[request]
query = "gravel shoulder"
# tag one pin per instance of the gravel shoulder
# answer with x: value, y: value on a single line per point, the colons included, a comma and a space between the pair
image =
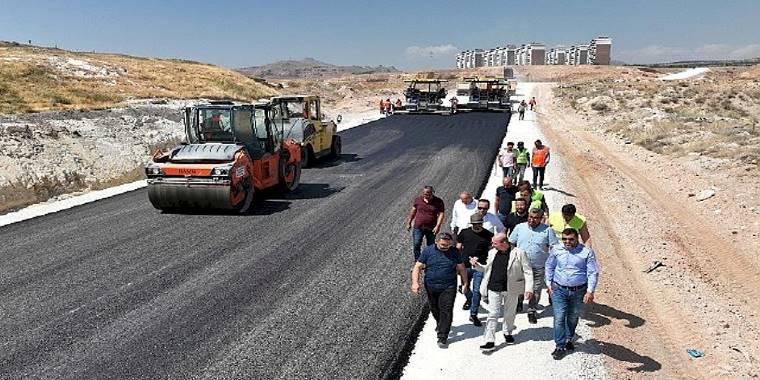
x: 640, y: 211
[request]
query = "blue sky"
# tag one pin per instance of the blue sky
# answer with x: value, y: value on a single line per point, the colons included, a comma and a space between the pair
x: 407, y: 34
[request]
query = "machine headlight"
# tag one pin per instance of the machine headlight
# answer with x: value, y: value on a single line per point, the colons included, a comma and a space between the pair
x: 220, y: 172
x: 153, y: 170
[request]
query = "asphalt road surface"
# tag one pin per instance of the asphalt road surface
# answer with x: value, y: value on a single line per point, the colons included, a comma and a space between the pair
x: 313, y: 284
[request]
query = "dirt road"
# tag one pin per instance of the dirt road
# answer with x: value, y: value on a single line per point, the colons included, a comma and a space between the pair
x: 705, y: 297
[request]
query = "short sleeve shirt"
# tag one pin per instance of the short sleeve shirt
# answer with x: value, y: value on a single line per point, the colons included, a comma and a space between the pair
x: 534, y: 241
x: 440, y: 267
x: 506, y: 197
x: 476, y: 244
x: 427, y: 212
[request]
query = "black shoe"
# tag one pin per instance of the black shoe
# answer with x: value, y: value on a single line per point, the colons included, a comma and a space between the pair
x: 569, y: 346
x: 466, y: 305
x: 532, y: 318
x: 519, y: 307
x: 509, y: 338
x: 475, y: 321
x: 488, y: 346
x: 459, y: 289
x: 558, y: 353
x: 443, y: 343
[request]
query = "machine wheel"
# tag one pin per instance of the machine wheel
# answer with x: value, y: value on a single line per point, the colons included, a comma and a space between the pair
x: 307, y: 156
x: 246, y: 203
x: 335, y: 147
x: 290, y: 174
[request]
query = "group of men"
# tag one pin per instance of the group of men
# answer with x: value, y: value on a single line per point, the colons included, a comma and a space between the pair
x: 513, y: 162
x: 387, y: 108
x: 503, y: 258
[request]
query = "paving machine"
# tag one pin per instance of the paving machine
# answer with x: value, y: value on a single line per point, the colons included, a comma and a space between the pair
x: 231, y: 151
x: 488, y: 94
x: 424, y: 96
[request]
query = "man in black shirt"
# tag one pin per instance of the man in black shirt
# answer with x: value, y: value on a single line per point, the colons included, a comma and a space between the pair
x: 474, y: 241
x: 517, y: 216
x: 507, y: 274
x: 504, y: 197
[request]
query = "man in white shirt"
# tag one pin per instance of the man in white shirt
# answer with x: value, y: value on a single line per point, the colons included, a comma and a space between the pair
x: 507, y: 160
x: 491, y: 222
x: 463, y: 208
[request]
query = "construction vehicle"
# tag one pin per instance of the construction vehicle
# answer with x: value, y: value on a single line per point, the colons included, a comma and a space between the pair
x: 487, y: 94
x: 231, y: 151
x: 424, y: 96
x: 302, y: 120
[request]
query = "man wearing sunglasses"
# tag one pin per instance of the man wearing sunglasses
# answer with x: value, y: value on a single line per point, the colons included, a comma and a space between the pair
x: 491, y: 222
x: 571, y: 276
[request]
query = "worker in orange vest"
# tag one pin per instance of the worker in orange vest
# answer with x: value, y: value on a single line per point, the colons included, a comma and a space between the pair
x: 539, y: 160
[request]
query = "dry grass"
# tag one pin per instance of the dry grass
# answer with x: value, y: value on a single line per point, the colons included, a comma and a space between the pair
x: 37, y: 79
x: 717, y: 116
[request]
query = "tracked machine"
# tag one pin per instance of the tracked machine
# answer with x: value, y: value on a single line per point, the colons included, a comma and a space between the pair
x: 487, y: 94
x: 424, y: 96
x: 231, y: 151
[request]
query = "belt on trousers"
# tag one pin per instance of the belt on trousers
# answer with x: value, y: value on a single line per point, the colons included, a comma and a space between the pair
x: 579, y: 287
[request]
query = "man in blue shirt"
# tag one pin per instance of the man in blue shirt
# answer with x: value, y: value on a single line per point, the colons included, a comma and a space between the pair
x: 571, y: 275
x: 442, y: 263
x: 535, y: 238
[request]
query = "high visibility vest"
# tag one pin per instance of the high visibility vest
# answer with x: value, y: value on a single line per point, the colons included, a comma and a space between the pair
x: 522, y: 156
x: 558, y: 223
x: 536, y: 199
x: 540, y: 156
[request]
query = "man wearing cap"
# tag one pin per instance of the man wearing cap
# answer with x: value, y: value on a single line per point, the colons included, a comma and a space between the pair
x: 474, y: 242
x: 442, y: 264
x: 571, y: 276
x: 570, y: 219
x: 507, y: 275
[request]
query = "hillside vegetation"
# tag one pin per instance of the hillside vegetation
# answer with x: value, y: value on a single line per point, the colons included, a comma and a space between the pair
x: 34, y: 79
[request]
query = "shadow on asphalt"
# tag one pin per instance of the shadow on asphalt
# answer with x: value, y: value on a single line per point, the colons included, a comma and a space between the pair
x: 620, y: 353
x: 599, y: 315
x: 311, y: 191
x: 536, y: 334
x: 342, y: 159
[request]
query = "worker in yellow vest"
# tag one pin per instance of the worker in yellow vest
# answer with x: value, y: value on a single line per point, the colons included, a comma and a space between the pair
x: 535, y: 198
x: 569, y: 218
x: 522, y: 158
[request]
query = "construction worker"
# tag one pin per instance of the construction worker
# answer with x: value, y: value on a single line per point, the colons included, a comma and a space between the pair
x: 570, y: 219
x: 535, y: 198
x: 522, y: 161
x: 532, y: 103
x: 454, y: 103
x: 382, y: 106
x: 521, y: 109
x: 541, y: 157
x: 398, y: 104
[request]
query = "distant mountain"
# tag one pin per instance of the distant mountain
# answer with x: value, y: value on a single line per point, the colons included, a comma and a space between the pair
x: 309, y: 68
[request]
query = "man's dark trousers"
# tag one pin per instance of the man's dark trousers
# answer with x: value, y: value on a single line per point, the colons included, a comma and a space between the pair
x: 442, y: 307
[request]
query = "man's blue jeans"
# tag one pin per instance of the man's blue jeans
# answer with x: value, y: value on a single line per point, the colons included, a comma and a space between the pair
x: 474, y: 278
x: 567, y: 309
x: 417, y: 235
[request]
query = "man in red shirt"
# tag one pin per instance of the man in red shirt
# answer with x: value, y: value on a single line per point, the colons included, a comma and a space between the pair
x: 425, y: 219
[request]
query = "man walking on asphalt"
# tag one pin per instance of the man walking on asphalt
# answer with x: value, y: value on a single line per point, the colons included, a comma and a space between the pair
x: 541, y: 158
x: 521, y: 109
x: 570, y: 219
x: 506, y: 159
x: 442, y: 264
x: 571, y: 275
x: 465, y: 206
x: 508, y: 274
x: 532, y: 103
x: 517, y: 216
x: 474, y: 243
x: 491, y: 222
x: 427, y: 217
x: 535, y: 238
x: 505, y: 195
x: 522, y: 158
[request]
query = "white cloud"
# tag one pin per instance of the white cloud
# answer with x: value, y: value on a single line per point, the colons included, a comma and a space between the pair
x: 659, y: 53
x: 431, y: 52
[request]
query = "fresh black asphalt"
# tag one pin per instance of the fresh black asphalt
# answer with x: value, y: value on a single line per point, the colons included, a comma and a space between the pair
x: 313, y: 284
